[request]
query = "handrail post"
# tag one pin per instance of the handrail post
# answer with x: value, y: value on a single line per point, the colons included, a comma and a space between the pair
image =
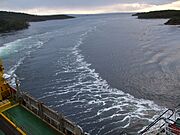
x: 17, y: 88
x: 61, y: 122
x: 157, y: 120
x: 40, y: 109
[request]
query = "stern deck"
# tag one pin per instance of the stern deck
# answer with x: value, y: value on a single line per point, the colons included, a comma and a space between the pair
x: 28, y: 122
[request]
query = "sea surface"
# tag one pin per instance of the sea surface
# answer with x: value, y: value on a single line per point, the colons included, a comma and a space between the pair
x: 109, y: 73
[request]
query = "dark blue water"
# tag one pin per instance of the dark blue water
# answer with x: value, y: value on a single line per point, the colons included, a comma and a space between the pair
x: 107, y: 73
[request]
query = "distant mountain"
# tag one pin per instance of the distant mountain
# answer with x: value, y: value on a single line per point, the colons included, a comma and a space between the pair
x: 173, y: 15
x: 15, y: 21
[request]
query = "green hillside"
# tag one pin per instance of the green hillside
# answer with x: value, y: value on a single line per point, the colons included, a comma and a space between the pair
x: 15, y: 21
x: 172, y: 15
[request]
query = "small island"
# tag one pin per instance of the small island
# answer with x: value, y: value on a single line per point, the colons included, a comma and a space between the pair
x: 172, y: 15
x: 11, y: 21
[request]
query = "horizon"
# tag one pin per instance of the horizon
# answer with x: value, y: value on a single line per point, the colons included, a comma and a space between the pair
x: 44, y: 7
x: 84, y: 13
x: 69, y: 14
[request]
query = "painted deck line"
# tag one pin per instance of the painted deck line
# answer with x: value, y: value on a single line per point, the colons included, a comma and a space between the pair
x: 10, y: 122
x: 29, y: 122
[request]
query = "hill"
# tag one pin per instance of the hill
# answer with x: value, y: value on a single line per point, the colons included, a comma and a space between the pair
x: 15, y: 21
x: 9, y: 25
x: 173, y: 15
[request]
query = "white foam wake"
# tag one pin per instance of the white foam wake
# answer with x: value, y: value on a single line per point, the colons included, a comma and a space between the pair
x: 18, y: 51
x: 97, y: 103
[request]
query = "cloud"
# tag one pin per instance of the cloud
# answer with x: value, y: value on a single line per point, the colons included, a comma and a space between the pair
x: 173, y: 5
x: 86, y: 6
x: 88, y: 10
x: 29, y: 4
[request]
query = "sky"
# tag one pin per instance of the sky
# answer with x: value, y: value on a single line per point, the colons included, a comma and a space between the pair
x: 42, y: 7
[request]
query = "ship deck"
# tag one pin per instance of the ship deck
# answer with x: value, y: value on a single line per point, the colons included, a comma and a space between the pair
x: 28, y: 122
x: 2, y: 133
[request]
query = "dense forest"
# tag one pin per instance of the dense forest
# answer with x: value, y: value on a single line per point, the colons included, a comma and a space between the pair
x: 15, y: 21
x: 172, y: 15
x: 9, y: 25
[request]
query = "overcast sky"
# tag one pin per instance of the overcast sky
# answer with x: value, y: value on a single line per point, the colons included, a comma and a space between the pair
x: 86, y: 6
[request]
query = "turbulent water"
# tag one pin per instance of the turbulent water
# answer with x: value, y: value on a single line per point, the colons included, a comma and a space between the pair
x: 85, y: 68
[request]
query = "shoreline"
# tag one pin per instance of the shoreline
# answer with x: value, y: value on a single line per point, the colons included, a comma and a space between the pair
x: 12, y: 21
x: 172, y: 15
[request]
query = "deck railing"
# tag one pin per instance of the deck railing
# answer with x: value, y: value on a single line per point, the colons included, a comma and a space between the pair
x: 53, y: 118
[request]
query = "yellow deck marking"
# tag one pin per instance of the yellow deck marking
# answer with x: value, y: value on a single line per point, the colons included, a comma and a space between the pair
x: 4, y: 105
x: 9, y: 107
x: 16, y: 127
